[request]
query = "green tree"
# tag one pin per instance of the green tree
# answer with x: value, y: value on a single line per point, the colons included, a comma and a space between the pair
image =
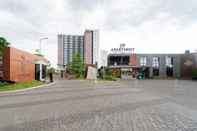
x: 77, y: 66
x: 3, y: 44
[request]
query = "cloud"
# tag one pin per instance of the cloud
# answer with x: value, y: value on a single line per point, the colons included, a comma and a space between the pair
x: 136, y: 12
x: 87, y: 5
x: 14, y: 6
x: 136, y: 22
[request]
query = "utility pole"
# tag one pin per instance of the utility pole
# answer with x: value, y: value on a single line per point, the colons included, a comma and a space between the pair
x: 44, y: 38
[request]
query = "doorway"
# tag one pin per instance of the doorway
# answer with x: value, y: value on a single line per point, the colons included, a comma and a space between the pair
x: 37, y: 72
x: 169, y: 71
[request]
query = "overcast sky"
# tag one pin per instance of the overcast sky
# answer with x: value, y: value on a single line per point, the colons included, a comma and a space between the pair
x: 149, y: 26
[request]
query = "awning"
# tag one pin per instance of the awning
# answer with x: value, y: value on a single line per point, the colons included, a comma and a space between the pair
x: 41, y: 62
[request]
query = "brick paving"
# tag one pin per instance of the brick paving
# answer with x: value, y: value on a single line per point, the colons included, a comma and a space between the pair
x: 153, y: 105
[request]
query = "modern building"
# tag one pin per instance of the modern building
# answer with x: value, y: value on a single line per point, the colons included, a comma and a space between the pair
x: 91, y: 47
x: 86, y: 45
x: 68, y: 45
x: 103, y: 58
x: 188, y: 63
x: 20, y: 66
x: 152, y: 65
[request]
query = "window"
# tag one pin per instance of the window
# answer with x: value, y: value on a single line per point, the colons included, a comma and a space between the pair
x: 143, y: 61
x: 169, y: 61
x: 155, y: 62
x: 169, y: 68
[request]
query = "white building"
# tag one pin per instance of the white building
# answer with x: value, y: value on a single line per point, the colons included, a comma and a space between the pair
x: 102, y: 58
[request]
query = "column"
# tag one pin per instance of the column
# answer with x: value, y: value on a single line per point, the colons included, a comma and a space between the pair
x: 40, y: 72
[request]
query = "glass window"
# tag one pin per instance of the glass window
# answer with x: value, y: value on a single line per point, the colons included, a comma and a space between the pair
x: 169, y: 61
x: 143, y: 61
x: 155, y: 62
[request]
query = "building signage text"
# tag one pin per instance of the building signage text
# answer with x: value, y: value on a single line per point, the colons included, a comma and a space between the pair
x: 122, y: 49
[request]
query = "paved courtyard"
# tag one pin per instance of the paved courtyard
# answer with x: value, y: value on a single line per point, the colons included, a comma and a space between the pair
x: 149, y: 105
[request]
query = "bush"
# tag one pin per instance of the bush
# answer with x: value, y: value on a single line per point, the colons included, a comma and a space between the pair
x: 194, y: 74
x: 109, y: 77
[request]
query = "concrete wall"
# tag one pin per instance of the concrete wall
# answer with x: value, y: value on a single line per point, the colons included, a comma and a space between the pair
x: 96, y: 47
x: 60, y: 56
x: 88, y: 47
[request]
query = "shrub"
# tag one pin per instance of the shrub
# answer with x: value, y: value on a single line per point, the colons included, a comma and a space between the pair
x: 194, y: 74
x: 109, y: 77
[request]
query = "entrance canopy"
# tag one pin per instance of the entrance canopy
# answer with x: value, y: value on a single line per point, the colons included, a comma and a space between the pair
x: 41, y: 62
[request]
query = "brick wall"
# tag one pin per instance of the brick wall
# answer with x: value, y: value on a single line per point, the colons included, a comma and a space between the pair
x: 133, y: 60
x: 18, y: 65
x: 1, y: 67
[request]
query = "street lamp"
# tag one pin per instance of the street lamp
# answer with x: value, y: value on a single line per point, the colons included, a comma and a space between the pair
x: 44, y: 38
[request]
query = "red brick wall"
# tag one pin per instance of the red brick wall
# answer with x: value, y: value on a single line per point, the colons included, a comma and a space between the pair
x: 6, y: 64
x: 1, y: 67
x: 133, y: 60
x: 18, y: 65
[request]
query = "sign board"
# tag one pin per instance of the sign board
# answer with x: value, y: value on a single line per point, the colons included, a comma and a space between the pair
x: 92, y: 73
x: 122, y: 49
x: 188, y: 63
x: 126, y: 69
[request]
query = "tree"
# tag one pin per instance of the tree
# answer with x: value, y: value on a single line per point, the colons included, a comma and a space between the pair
x: 77, y: 66
x: 3, y: 44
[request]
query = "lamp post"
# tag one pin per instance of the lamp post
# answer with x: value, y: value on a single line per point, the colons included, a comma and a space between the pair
x: 41, y: 70
x: 44, y: 38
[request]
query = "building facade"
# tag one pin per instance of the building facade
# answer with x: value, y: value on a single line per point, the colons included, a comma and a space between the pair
x: 21, y: 66
x: 188, y: 63
x: 103, y: 58
x: 153, y: 65
x: 91, y: 47
x: 68, y: 45
x: 86, y: 45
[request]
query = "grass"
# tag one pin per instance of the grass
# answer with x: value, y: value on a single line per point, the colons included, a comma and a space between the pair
x: 19, y: 86
x: 109, y: 78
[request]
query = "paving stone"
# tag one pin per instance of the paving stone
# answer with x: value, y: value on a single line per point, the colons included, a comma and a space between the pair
x: 104, y: 106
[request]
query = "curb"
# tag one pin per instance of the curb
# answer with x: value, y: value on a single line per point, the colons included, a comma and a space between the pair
x: 31, y: 88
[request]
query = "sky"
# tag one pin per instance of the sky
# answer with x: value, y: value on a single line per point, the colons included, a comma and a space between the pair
x: 149, y: 26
